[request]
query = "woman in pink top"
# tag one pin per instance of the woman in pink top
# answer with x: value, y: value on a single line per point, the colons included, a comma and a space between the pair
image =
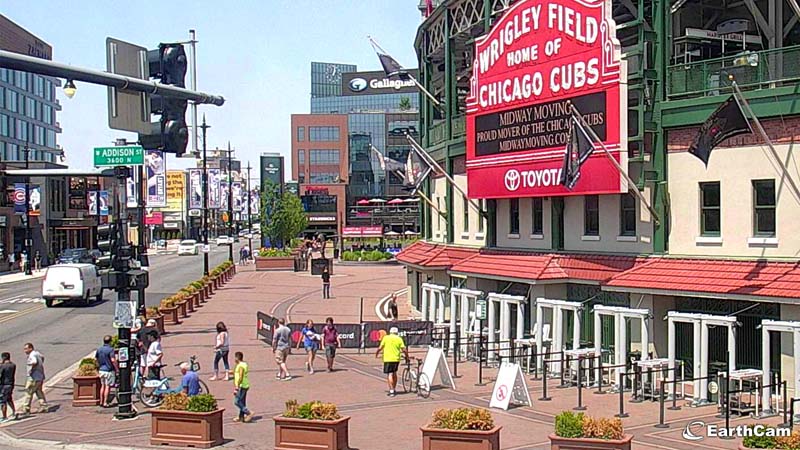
x: 221, y: 349
x: 330, y: 341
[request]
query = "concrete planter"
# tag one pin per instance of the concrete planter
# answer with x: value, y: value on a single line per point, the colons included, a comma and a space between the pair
x: 182, y: 311
x: 275, y: 263
x: 86, y: 391
x: 208, y: 290
x: 301, y: 434
x: 186, y: 429
x: 190, y: 304
x: 170, y: 315
x: 559, y: 443
x: 196, y: 300
x: 201, y: 295
x: 442, y: 439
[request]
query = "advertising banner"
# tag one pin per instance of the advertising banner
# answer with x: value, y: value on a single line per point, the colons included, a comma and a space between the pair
x: 131, y: 191
x: 195, y: 189
x: 255, y: 203
x: 413, y: 332
x: 541, y: 57
x: 176, y: 186
x: 213, y: 188
x: 35, y: 199
x: 155, y: 167
x: 223, y: 192
x: 368, y: 231
x: 238, y: 200
x: 272, y: 170
x: 154, y: 218
x: 102, y: 202
x: 92, y: 203
x: 265, y: 326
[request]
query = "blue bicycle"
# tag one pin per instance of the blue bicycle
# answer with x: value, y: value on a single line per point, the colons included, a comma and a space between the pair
x: 151, y: 392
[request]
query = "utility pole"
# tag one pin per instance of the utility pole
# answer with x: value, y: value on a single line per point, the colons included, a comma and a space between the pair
x: 205, y: 127
x: 249, y: 218
x: 28, y: 240
x: 230, y: 204
x: 120, y: 268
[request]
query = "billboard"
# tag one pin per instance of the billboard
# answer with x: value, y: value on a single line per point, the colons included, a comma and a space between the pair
x: 272, y: 169
x: 372, y: 83
x: 238, y: 196
x: 176, y: 186
x: 195, y: 189
x: 223, y: 192
x: 155, y: 166
x: 255, y: 202
x: 34, y: 199
x: 213, y: 188
x: 538, y: 59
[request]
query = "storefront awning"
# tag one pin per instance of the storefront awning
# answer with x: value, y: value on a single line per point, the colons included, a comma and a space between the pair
x: 712, y: 278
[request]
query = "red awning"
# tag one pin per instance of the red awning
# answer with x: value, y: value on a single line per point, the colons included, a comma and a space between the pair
x: 434, y: 256
x: 713, y: 277
x: 362, y: 202
x: 417, y: 253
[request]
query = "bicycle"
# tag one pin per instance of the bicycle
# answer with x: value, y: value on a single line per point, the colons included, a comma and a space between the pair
x: 414, y: 380
x: 151, y: 392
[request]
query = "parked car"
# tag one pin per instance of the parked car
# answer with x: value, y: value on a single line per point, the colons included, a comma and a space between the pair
x: 224, y: 240
x: 78, y: 255
x: 72, y: 282
x: 187, y: 247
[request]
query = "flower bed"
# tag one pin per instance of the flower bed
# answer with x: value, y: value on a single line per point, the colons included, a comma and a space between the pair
x: 187, y: 422
x: 274, y: 259
x: 577, y: 431
x: 461, y: 428
x: 311, y: 425
x: 86, y: 384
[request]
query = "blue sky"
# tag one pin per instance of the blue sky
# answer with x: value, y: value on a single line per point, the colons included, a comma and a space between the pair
x: 257, y: 54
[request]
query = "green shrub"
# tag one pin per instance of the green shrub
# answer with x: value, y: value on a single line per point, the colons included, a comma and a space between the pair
x: 274, y: 253
x: 569, y: 425
x: 350, y: 255
x: 462, y: 419
x: 758, y: 442
x: 114, y: 341
x: 202, y: 403
x: 87, y: 367
x: 314, y: 410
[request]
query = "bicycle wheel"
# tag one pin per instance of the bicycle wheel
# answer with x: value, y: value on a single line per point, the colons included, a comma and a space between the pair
x: 407, y: 381
x: 203, y: 387
x: 153, y: 396
x: 423, y: 386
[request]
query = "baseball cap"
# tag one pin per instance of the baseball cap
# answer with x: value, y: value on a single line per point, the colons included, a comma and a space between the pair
x: 394, y: 330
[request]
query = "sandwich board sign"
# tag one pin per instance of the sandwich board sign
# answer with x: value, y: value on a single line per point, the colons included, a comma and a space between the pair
x: 435, y: 361
x: 509, y: 387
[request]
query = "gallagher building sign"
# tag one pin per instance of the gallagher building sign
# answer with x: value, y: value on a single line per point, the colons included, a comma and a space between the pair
x: 538, y: 57
x: 376, y: 82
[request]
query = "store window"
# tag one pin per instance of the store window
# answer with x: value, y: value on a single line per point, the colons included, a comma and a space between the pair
x: 591, y: 215
x: 710, y: 209
x: 537, y: 219
x: 764, y: 208
x: 513, y: 216
x: 627, y: 215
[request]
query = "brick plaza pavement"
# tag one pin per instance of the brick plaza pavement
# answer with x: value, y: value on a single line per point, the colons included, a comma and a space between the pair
x: 377, y: 421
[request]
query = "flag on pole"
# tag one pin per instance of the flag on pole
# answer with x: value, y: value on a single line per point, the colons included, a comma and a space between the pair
x: 726, y: 121
x: 392, y: 68
x: 386, y: 163
x: 428, y: 8
x: 415, y: 172
x: 579, y: 149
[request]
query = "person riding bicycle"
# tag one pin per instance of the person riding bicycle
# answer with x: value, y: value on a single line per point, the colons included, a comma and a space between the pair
x: 190, y: 381
x: 392, y: 346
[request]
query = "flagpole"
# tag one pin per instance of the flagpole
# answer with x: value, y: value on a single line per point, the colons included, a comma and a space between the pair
x: 376, y: 46
x: 586, y: 128
x: 432, y: 162
x: 743, y: 102
x: 430, y: 203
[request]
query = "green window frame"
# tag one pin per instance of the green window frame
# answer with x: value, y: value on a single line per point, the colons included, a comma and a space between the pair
x: 710, y: 209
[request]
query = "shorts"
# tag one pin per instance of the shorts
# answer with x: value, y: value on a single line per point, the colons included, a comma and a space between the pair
x: 330, y: 351
x: 6, y: 391
x: 107, y: 378
x: 280, y: 355
x: 311, y: 348
x: 391, y: 367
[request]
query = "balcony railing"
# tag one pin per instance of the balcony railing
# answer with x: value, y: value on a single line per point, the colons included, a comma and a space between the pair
x: 439, y: 130
x: 459, y: 125
x: 755, y: 70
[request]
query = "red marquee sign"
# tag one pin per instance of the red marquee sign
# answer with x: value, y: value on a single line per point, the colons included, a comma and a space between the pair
x: 540, y: 56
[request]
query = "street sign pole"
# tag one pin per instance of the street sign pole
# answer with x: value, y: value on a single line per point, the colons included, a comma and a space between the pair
x: 124, y: 395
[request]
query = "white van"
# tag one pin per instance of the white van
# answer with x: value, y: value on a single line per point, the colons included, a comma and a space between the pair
x: 72, y: 282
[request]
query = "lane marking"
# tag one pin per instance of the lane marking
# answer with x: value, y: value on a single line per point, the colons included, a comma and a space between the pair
x: 7, y: 311
x: 22, y: 300
x: 22, y: 313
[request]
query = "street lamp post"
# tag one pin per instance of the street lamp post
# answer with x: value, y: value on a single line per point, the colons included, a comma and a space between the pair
x: 28, y: 243
x: 205, y: 127
x: 230, y: 204
x: 249, y: 218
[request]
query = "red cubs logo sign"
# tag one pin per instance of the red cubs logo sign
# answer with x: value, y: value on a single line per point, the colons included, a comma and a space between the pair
x: 541, y: 59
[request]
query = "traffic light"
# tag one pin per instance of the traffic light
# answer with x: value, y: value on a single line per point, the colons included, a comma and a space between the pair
x: 170, y: 134
x: 106, y: 237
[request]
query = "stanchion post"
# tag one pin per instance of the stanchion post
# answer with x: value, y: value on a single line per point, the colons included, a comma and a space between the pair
x: 456, y: 349
x: 661, y: 423
x: 635, y: 392
x: 563, y: 369
x: 674, y: 406
x: 544, y: 396
x: 791, y: 415
x: 600, y: 373
x: 580, y: 406
x: 785, y: 405
x: 622, y: 414
x: 480, y: 353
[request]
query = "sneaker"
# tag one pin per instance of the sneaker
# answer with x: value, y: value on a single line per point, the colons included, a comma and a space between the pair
x: 308, y: 367
x: 311, y: 370
x: 4, y: 420
x: 286, y: 378
x: 214, y: 378
x: 391, y: 394
x: 248, y: 417
x: 278, y: 376
x: 236, y: 419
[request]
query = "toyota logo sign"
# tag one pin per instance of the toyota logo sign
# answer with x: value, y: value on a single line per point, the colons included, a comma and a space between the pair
x: 512, y: 180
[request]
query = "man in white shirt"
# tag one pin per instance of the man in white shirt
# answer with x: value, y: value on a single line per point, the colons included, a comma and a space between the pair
x: 153, y: 359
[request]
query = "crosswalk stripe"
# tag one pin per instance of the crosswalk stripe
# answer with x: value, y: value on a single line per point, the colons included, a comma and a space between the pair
x: 12, y: 301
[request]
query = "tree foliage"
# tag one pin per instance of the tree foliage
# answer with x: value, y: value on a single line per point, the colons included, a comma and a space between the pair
x: 283, y: 216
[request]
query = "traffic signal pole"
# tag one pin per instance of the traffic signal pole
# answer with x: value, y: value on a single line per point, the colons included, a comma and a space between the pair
x: 205, y: 127
x: 140, y: 230
x: 120, y: 266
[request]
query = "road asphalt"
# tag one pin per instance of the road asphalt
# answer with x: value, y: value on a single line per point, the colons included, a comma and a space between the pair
x: 65, y: 333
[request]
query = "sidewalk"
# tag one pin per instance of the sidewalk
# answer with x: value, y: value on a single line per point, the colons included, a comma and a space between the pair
x: 377, y: 422
x: 13, y: 277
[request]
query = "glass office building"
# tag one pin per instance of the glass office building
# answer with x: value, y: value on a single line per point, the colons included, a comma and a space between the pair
x: 28, y: 109
x: 326, y: 78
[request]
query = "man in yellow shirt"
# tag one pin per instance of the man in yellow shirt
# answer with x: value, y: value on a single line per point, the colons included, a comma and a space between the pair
x: 241, y: 384
x: 393, y: 347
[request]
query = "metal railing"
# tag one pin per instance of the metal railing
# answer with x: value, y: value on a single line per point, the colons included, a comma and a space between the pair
x: 459, y: 126
x: 754, y: 70
x: 438, y: 132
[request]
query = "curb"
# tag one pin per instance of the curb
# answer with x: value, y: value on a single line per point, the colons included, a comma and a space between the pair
x: 35, y: 276
x: 7, y: 441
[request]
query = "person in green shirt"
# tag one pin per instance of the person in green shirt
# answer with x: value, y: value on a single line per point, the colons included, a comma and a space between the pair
x: 393, y: 347
x: 241, y: 384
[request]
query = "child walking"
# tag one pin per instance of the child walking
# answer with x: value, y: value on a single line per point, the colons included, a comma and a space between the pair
x: 241, y: 385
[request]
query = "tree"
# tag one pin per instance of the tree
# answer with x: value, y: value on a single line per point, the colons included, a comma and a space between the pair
x: 283, y: 215
x: 405, y: 104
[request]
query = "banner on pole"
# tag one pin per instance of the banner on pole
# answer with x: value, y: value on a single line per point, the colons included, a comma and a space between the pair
x: 156, y: 179
x: 102, y: 198
x: 195, y: 189
x: 92, y: 203
x: 132, y: 190
x: 237, y: 196
x: 213, y: 188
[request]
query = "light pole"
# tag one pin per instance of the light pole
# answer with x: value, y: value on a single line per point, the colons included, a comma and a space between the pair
x: 28, y: 243
x: 230, y: 205
x: 205, y: 127
x: 249, y: 219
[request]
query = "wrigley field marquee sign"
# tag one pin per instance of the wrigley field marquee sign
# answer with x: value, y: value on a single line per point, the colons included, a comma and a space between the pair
x: 537, y: 59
